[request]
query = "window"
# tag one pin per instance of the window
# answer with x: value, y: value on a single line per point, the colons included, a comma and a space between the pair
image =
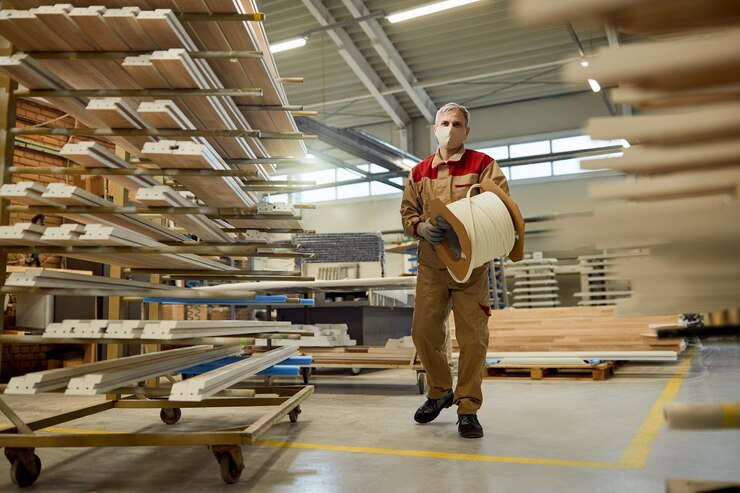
x: 535, y: 170
x: 377, y: 188
x: 529, y: 149
x: 280, y: 197
x: 321, y: 195
x: 353, y: 191
x: 567, y: 167
x: 500, y: 152
x: 320, y: 177
x: 579, y: 143
x: 346, y: 175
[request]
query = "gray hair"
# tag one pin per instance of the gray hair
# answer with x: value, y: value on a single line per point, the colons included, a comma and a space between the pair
x: 451, y: 107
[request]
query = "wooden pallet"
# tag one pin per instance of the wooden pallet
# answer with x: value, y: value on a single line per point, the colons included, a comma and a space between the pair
x: 600, y: 371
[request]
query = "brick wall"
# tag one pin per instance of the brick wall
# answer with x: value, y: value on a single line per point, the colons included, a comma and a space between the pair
x: 31, y: 113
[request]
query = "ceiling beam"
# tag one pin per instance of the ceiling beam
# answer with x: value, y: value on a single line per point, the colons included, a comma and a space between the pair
x: 446, y: 81
x: 379, y: 177
x: 392, y: 58
x: 360, y: 144
x: 359, y: 65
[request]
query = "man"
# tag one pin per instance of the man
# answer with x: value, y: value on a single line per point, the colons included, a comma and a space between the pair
x: 448, y: 175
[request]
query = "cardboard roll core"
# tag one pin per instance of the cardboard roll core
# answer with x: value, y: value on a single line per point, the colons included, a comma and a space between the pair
x: 459, y: 266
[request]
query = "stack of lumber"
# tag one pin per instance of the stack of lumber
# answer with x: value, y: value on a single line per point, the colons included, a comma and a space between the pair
x: 573, y: 329
x: 166, y: 64
x: 362, y: 357
x: 56, y: 194
x: 198, y: 224
x: 94, y: 235
x: 343, y: 247
x: 159, y: 330
x: 94, y: 155
x: 203, y: 386
x: 681, y: 200
x: 104, y: 376
x: 51, y: 279
x: 323, y: 335
x: 21, y: 234
x: 534, y: 283
x: 318, y: 285
x: 183, y: 329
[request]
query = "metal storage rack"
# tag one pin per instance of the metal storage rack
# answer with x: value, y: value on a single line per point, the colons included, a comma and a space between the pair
x: 21, y: 440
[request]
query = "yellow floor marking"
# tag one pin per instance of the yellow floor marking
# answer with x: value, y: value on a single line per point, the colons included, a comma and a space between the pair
x: 441, y: 455
x: 634, y: 457
x: 636, y: 454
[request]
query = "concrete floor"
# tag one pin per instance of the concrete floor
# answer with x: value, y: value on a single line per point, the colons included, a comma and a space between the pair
x: 356, y: 434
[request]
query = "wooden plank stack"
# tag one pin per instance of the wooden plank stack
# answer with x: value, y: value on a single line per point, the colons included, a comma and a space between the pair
x: 155, y: 28
x: 323, y: 335
x: 682, y: 198
x: 573, y: 329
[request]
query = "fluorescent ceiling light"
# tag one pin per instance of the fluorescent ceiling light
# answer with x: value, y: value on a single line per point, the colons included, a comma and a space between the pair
x: 288, y: 45
x: 584, y: 63
x: 625, y: 144
x: 595, y: 87
x: 310, y: 156
x: 430, y: 8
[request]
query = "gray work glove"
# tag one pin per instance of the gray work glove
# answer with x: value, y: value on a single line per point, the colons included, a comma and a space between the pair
x: 430, y: 232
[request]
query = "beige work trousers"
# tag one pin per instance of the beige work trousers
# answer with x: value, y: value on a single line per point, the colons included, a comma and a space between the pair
x: 436, y: 293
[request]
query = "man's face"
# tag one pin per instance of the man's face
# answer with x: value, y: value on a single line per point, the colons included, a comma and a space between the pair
x: 453, y: 118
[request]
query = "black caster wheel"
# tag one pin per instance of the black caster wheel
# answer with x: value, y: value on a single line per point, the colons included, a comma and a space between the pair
x: 230, y: 470
x: 171, y: 415
x: 306, y: 374
x: 21, y: 476
x: 421, y: 382
x: 293, y: 415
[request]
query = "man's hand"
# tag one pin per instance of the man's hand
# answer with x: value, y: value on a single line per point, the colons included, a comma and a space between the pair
x: 430, y: 232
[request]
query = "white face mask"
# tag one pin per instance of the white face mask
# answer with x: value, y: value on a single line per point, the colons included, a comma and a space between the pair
x: 450, y: 137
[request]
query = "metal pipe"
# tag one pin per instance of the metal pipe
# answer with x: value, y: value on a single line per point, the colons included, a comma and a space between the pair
x: 289, y: 80
x: 132, y: 292
x: 210, y: 17
x: 152, y: 132
x: 287, y: 245
x: 95, y: 55
x: 243, y: 161
x: 243, y: 213
x: 282, y: 274
x: 133, y: 93
x: 205, y: 277
x: 58, y: 170
x: 234, y: 250
x: 269, y: 230
x: 269, y: 107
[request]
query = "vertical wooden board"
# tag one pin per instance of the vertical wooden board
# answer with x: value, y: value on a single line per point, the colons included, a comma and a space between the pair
x: 38, y: 36
x: 90, y: 20
x: 173, y: 70
x: 165, y: 29
x: 144, y: 73
x: 123, y: 22
x: 57, y: 20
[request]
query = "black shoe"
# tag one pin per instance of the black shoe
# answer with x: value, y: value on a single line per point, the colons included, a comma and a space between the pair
x: 432, y: 407
x: 469, y: 426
